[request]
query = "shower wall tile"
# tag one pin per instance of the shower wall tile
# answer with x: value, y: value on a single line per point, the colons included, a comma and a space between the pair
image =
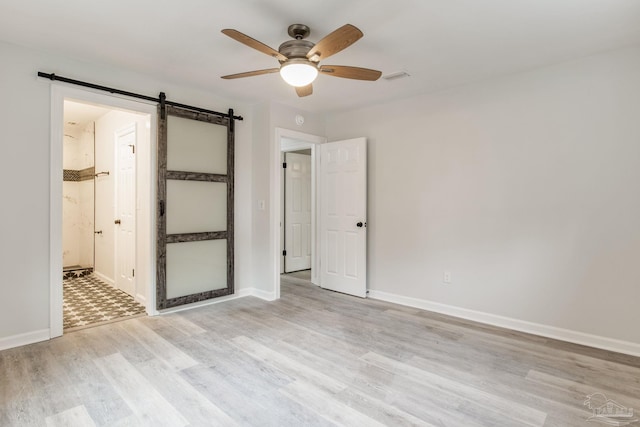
x: 78, y: 195
x: 86, y: 223
x: 70, y: 223
x: 70, y: 145
x: 86, y: 149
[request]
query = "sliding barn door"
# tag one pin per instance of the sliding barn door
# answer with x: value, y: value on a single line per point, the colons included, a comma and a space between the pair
x: 195, y: 207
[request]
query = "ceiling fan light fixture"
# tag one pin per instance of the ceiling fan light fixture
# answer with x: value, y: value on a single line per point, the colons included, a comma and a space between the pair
x: 299, y: 58
x: 299, y: 72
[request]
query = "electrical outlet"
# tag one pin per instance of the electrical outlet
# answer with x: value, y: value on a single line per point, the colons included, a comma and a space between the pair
x: 446, y: 278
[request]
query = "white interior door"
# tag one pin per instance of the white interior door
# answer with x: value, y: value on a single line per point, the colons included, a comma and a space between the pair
x: 125, y: 222
x: 343, y: 229
x: 297, y: 202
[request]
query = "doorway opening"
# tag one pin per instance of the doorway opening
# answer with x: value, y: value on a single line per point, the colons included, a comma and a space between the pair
x: 297, y: 225
x: 296, y: 221
x: 296, y: 231
x: 339, y: 205
x: 102, y: 161
x: 99, y: 221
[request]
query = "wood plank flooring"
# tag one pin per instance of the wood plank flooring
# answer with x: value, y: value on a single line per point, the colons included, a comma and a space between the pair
x: 313, y: 358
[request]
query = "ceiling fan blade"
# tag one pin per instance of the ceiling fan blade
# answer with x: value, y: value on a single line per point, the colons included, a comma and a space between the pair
x: 333, y: 43
x: 346, y: 72
x: 251, y: 73
x: 304, y: 90
x: 253, y: 43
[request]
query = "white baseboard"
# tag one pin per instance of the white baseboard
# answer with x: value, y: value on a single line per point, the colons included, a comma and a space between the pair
x: 105, y: 279
x: 24, y: 339
x: 265, y: 295
x: 568, y: 335
x: 240, y: 293
x: 141, y: 299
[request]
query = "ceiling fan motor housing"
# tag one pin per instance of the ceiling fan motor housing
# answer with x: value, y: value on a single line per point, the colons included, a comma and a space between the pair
x: 295, y: 48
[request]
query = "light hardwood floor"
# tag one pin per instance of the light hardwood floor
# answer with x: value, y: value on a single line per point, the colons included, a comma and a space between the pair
x: 315, y: 358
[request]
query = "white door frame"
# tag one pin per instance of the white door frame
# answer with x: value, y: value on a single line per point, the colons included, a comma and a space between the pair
x: 293, y: 141
x: 145, y: 241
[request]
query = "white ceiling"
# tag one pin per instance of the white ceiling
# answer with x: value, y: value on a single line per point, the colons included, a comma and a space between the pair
x: 79, y: 114
x: 441, y: 43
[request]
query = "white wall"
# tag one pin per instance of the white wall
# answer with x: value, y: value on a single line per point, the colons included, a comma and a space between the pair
x: 526, y: 188
x: 25, y: 121
x: 268, y: 117
x: 260, y: 191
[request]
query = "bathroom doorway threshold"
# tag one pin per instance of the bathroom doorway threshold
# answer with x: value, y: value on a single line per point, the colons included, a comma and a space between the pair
x: 90, y: 302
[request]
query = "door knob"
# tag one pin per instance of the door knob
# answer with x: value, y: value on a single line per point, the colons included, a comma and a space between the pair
x: 359, y: 225
x: 117, y: 222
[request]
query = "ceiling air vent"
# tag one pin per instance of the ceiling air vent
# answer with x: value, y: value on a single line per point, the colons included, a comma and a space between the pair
x: 395, y: 76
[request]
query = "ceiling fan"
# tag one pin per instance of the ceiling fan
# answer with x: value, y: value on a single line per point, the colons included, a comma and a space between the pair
x: 300, y: 59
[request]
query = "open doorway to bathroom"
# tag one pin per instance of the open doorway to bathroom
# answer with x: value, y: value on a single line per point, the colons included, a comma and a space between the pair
x: 99, y: 211
x: 297, y: 201
x: 297, y: 227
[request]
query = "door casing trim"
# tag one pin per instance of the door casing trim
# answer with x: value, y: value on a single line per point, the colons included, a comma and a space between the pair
x: 302, y: 141
x: 60, y: 92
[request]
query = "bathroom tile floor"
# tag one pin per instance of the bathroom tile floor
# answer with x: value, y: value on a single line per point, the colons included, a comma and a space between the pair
x: 89, y: 302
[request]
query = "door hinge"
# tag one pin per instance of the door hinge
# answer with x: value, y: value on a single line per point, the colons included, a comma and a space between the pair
x: 284, y: 166
x: 284, y: 253
x: 133, y: 273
